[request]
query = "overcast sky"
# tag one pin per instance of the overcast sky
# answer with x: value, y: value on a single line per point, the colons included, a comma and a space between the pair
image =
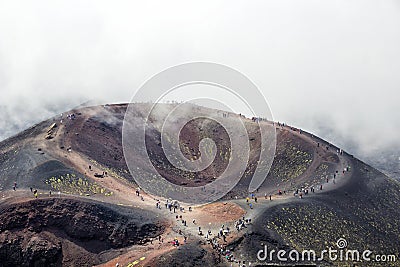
x: 330, y: 67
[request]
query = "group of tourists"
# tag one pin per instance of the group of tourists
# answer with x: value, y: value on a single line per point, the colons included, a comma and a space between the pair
x: 258, y: 119
x: 241, y: 223
x: 221, y: 248
x: 172, y: 206
x: 304, y: 191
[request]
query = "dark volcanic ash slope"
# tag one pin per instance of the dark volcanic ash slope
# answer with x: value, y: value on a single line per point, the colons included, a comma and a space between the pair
x: 364, y: 211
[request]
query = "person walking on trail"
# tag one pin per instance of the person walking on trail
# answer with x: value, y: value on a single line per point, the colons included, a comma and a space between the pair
x: 31, y: 189
x: 270, y: 197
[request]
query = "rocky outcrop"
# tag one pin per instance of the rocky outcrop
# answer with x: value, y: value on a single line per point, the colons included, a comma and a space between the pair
x: 32, y: 233
x: 29, y: 249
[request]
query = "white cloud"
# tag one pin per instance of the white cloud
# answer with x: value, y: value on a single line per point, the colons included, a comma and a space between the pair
x: 316, y: 61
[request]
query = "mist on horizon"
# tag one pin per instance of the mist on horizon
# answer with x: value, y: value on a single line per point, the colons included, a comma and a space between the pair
x: 327, y: 67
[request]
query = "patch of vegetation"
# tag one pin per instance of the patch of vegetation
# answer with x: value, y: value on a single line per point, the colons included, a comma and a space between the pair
x: 71, y: 184
x: 320, y: 174
x: 291, y: 161
x: 318, y: 228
